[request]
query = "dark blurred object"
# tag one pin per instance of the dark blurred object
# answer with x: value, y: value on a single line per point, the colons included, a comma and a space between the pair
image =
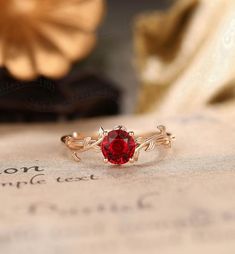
x: 76, y: 96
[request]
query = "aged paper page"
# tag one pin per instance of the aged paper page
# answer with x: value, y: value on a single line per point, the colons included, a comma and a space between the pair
x: 182, y: 203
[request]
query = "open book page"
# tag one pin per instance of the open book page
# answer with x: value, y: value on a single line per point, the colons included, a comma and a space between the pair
x: 178, y: 202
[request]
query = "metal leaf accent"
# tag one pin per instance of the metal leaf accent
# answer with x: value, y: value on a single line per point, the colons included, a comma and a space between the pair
x: 101, y: 132
x: 87, y: 142
x: 75, y: 156
x: 150, y: 146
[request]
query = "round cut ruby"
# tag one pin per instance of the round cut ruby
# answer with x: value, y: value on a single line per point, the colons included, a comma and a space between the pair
x: 118, y: 147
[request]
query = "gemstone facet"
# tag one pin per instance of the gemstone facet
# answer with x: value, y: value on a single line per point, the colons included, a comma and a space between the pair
x: 118, y: 147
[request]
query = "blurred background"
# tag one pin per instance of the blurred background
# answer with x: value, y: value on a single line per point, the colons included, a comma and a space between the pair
x: 67, y: 60
x: 103, y: 83
x: 118, y: 31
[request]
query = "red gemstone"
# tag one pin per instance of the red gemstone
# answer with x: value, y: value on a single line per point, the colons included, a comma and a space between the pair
x: 118, y: 147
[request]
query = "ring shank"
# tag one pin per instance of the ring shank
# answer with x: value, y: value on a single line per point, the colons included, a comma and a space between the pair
x: 147, y: 141
x: 95, y: 136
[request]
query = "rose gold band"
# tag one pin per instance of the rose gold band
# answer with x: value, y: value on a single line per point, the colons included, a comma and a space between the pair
x: 147, y: 142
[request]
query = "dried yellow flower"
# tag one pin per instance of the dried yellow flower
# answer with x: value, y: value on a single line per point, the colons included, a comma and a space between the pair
x: 43, y: 37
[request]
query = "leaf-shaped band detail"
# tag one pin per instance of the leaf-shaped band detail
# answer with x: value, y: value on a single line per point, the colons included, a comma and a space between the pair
x: 150, y: 143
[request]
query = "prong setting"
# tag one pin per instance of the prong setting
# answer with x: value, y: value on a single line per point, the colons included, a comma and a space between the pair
x: 120, y: 127
x: 131, y: 133
x: 106, y: 160
x: 132, y: 160
x: 106, y: 133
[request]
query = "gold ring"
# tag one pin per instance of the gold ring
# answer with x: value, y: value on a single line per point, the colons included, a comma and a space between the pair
x: 118, y: 146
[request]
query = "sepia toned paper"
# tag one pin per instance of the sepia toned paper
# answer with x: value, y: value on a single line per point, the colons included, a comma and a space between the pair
x: 179, y: 202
